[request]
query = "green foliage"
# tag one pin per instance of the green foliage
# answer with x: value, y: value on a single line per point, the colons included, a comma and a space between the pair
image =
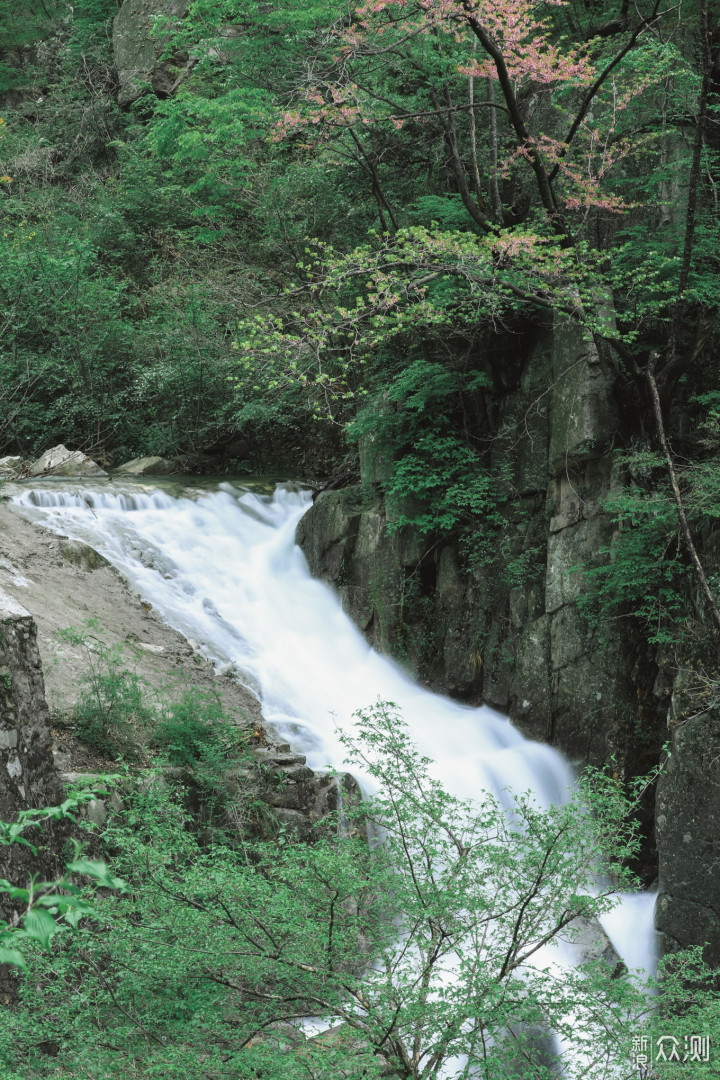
x: 50, y: 908
x: 446, y: 211
x: 118, y: 716
x: 435, y: 482
x: 154, y: 231
x: 192, y: 731
x: 439, y: 472
x: 645, y: 571
x: 188, y: 726
x: 199, y: 968
x: 690, y: 1007
x: 111, y: 711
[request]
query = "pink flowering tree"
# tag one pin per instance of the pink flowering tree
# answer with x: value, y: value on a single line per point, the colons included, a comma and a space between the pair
x: 546, y: 131
x: 540, y: 128
x: 555, y: 105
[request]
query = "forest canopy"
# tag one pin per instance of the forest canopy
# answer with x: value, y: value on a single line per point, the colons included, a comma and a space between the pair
x: 333, y: 193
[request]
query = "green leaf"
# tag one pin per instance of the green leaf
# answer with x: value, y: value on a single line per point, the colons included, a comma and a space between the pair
x: 99, y: 872
x: 12, y: 956
x: 40, y: 926
x: 13, y: 891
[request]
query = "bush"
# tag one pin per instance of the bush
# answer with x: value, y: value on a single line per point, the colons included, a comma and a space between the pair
x: 112, y: 704
x: 193, y: 732
x: 191, y: 726
x: 197, y: 969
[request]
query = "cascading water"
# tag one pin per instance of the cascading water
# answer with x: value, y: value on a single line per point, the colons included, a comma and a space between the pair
x: 223, y: 569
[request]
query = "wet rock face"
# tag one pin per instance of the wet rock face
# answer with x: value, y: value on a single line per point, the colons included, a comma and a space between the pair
x: 137, y: 50
x: 688, y: 838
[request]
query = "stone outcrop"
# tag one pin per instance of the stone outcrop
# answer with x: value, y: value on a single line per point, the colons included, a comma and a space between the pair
x: 138, y: 50
x: 27, y: 776
x: 687, y: 826
x: 10, y: 465
x: 63, y: 462
x: 80, y: 554
x: 149, y: 466
x: 507, y: 632
x: 274, y: 790
x: 511, y: 633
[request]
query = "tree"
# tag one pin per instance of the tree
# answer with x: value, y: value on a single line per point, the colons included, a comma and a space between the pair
x: 434, y: 949
x: 578, y: 123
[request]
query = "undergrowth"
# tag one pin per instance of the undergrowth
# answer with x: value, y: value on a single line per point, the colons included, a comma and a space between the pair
x: 121, y: 717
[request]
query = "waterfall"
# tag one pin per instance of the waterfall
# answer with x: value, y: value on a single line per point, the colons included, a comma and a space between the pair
x: 222, y: 567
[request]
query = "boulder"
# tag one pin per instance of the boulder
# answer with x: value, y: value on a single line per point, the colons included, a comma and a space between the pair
x: 10, y: 465
x: 149, y: 466
x: 137, y: 50
x: 82, y: 555
x: 63, y: 462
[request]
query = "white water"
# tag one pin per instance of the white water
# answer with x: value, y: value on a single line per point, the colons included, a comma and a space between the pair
x: 224, y: 570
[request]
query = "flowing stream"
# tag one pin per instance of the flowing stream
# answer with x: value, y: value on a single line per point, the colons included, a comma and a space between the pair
x: 222, y: 567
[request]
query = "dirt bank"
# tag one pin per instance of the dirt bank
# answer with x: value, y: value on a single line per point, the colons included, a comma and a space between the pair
x: 63, y: 583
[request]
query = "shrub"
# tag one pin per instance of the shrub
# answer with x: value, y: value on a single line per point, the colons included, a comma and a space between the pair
x: 112, y: 704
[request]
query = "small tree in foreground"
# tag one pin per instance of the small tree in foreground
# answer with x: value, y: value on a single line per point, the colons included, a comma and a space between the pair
x: 434, y: 950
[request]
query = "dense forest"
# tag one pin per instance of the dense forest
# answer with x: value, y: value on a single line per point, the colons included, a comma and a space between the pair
x: 455, y: 263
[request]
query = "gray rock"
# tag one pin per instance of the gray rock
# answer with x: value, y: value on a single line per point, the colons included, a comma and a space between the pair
x: 591, y: 943
x: 295, y: 773
x: 328, y: 532
x: 149, y: 466
x: 687, y: 828
x: 80, y: 554
x: 27, y: 775
x: 62, y: 757
x: 583, y: 415
x: 63, y: 462
x: 137, y: 50
x: 96, y: 812
x: 276, y: 760
x: 10, y: 465
x: 509, y: 632
x: 86, y: 780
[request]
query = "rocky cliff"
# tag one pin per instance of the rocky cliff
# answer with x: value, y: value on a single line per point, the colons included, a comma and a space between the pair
x: 518, y: 641
x: 514, y: 640
x: 139, y: 50
x: 29, y: 778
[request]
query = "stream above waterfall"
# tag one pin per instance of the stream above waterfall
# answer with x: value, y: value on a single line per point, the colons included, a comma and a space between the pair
x: 217, y: 560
